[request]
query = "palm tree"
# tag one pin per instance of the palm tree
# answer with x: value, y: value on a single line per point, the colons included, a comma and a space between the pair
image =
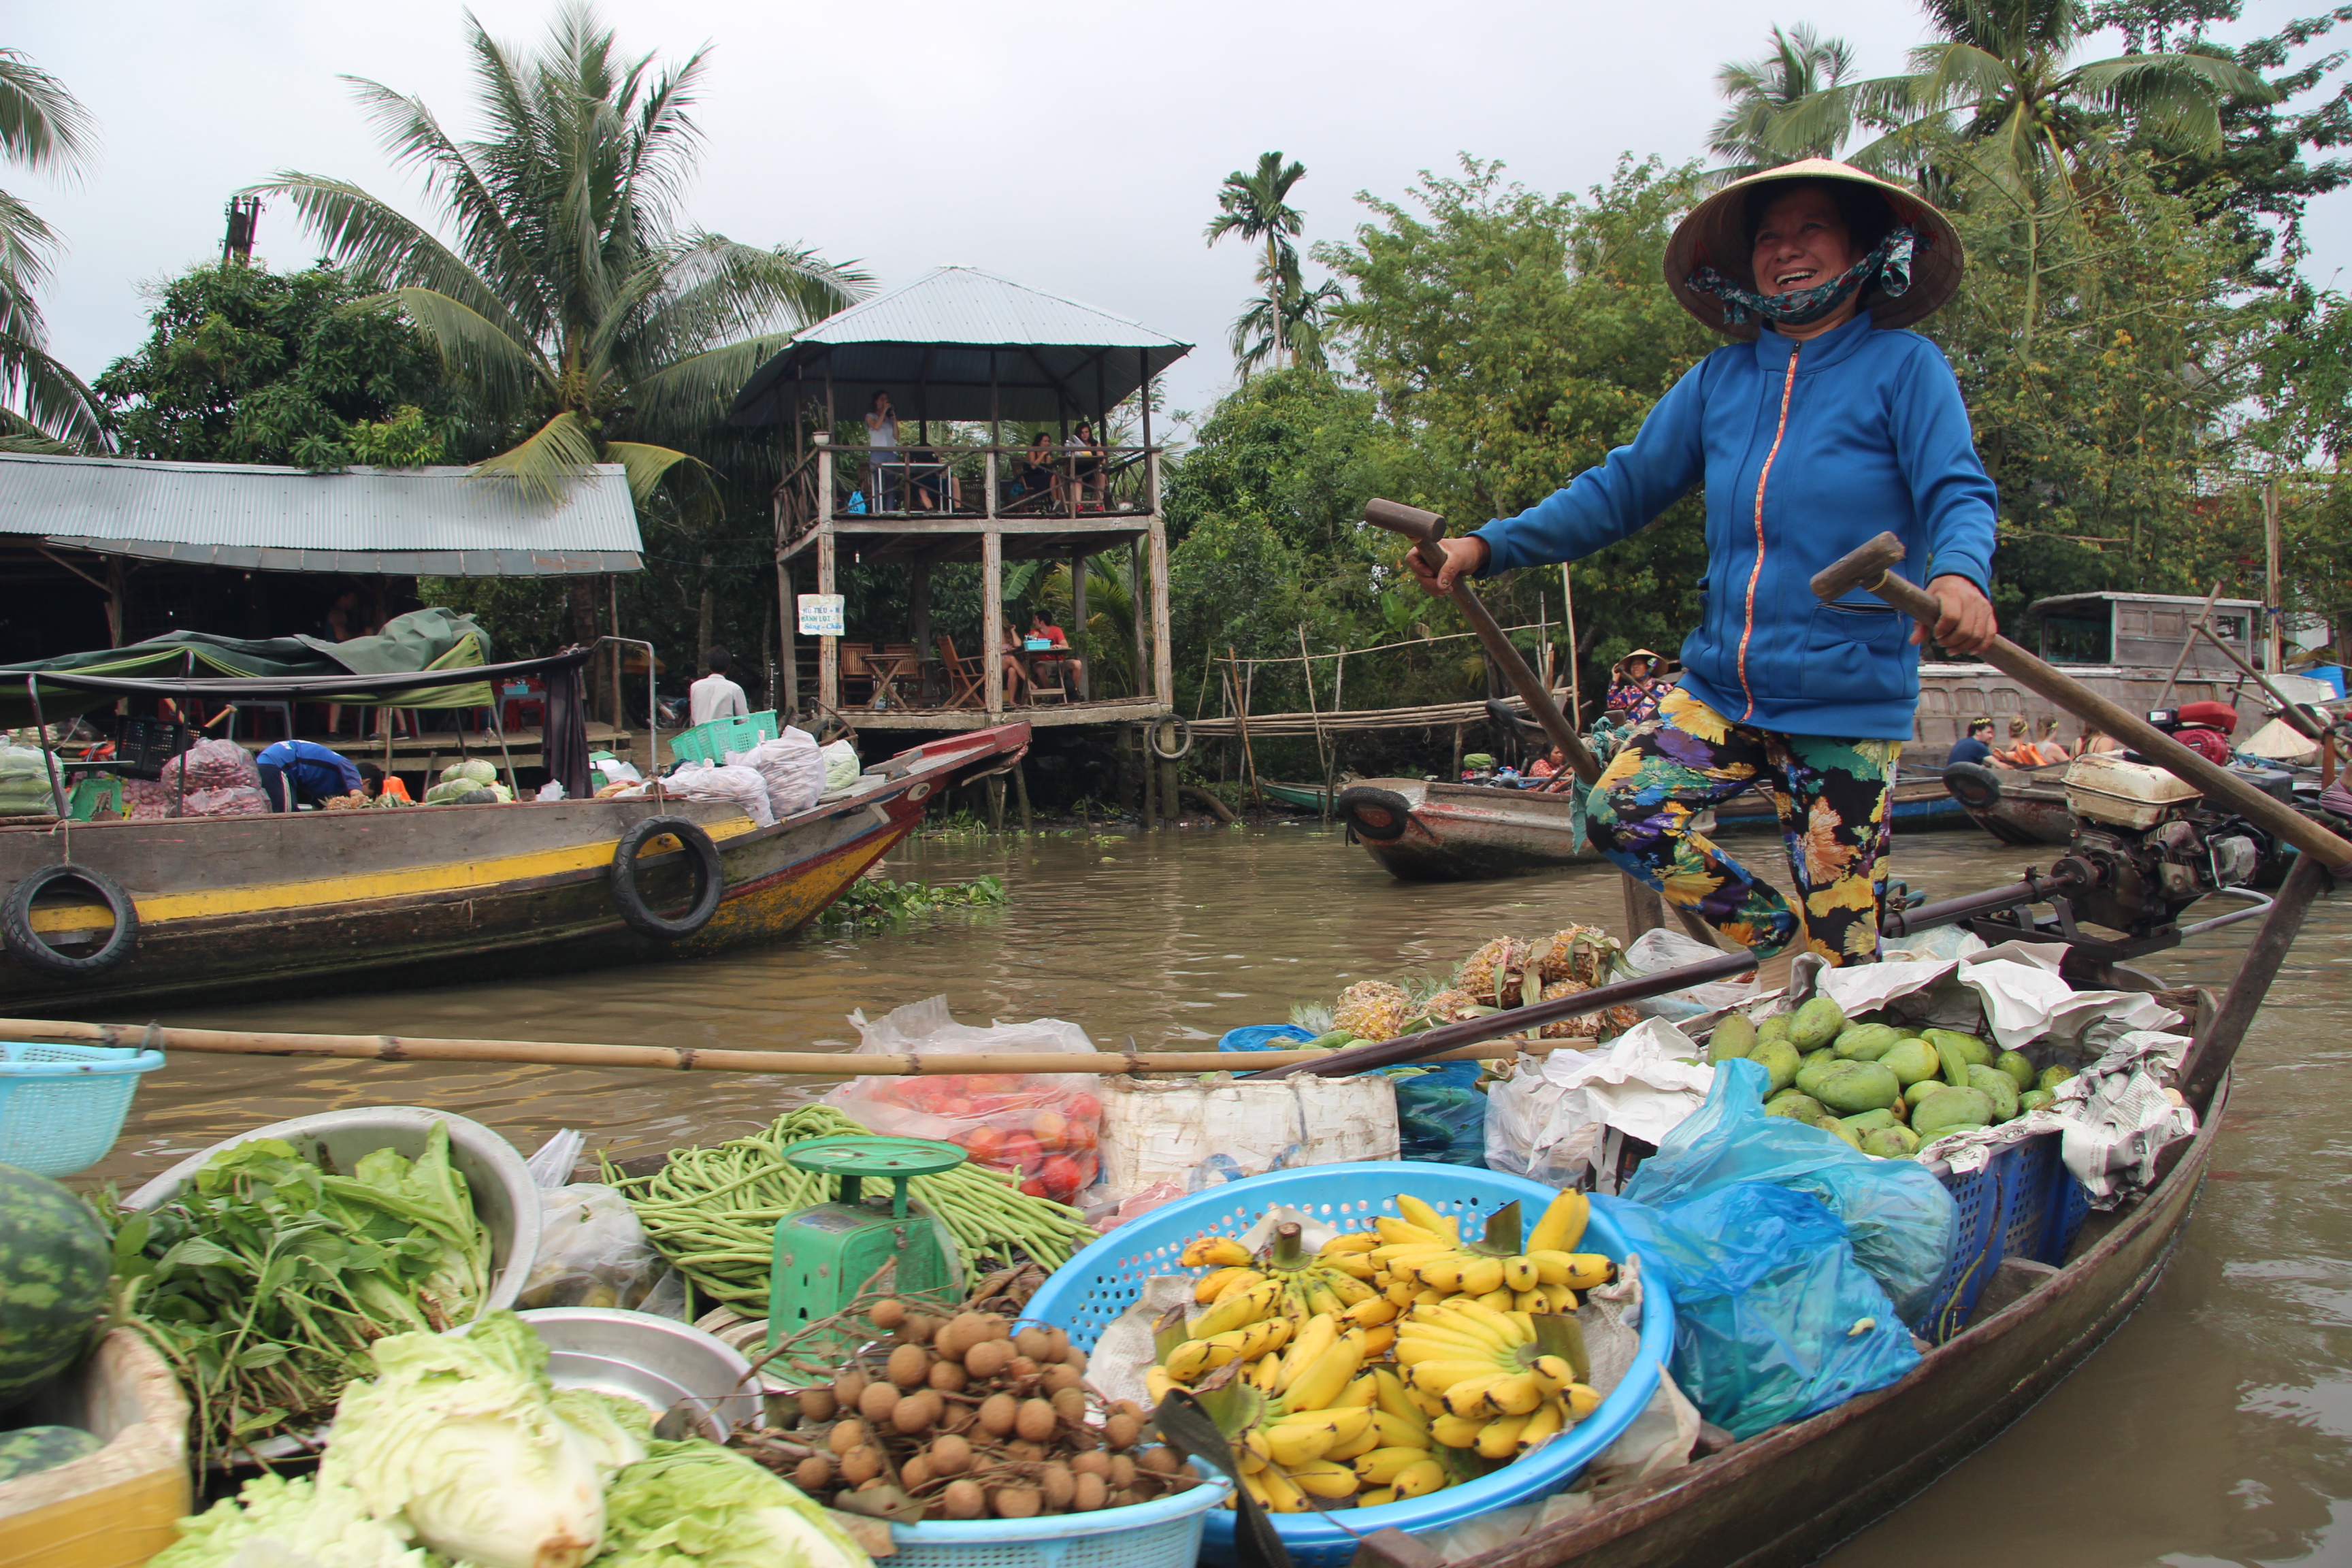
x: 579, y: 308
x: 44, y: 406
x: 2000, y: 76
x: 1302, y: 315
x: 1799, y: 63
x: 1257, y: 207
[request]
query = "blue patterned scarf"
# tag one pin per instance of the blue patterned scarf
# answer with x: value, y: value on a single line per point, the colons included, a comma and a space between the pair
x: 1890, y: 263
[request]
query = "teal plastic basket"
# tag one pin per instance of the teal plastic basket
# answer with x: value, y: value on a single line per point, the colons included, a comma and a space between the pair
x: 710, y: 743
x: 1163, y: 1533
x: 61, y: 1107
x: 1085, y: 1295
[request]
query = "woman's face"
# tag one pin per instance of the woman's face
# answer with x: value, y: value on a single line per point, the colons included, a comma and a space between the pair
x: 1802, y: 243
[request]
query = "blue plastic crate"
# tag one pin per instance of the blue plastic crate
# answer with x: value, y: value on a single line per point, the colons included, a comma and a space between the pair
x: 1085, y: 1294
x: 61, y: 1107
x: 2023, y: 1203
x: 710, y: 743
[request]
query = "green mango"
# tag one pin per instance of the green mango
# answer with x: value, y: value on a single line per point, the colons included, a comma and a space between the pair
x: 1954, y: 1061
x: 1850, y: 1086
x: 2014, y: 1064
x: 1773, y: 1029
x: 1795, y: 1103
x: 1779, y: 1058
x: 1810, y: 1072
x: 2035, y: 1100
x: 1912, y: 1060
x: 2052, y: 1077
x: 1973, y: 1051
x: 1866, y: 1042
x: 1815, y: 1024
x: 2000, y: 1086
x: 1949, y: 1110
x: 1734, y: 1035
x: 1870, y: 1122
x: 1891, y: 1142
x: 1837, y: 1129
x: 1920, y: 1092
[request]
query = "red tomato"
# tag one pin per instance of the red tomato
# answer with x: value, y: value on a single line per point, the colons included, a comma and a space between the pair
x: 1019, y: 1149
x: 1050, y: 1129
x: 1085, y: 1108
x: 1035, y: 1187
x: 1061, y: 1177
x: 984, y: 1143
x: 1082, y: 1137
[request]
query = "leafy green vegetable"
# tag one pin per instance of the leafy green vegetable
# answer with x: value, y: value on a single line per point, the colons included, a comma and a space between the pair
x: 697, y: 1505
x: 311, y: 1521
x: 266, y: 1281
x: 463, y: 1437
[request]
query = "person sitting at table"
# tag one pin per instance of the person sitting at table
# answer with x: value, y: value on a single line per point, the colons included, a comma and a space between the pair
x: 1008, y: 643
x: 296, y: 772
x: 1039, y: 628
x: 1086, y: 464
x: 1035, y: 476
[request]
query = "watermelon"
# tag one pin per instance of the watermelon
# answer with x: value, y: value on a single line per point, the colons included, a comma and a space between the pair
x: 55, y: 1260
x: 31, y: 1448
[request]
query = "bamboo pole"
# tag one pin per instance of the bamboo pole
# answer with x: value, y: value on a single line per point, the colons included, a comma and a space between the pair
x: 675, y: 1058
x: 1306, y: 667
x: 2187, y: 644
x: 1240, y: 693
x: 1575, y: 658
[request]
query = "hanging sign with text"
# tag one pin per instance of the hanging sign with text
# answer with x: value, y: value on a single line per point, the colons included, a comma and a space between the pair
x: 821, y: 616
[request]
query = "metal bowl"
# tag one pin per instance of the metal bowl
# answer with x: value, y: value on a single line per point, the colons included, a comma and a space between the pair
x: 504, y: 1194
x: 659, y: 1362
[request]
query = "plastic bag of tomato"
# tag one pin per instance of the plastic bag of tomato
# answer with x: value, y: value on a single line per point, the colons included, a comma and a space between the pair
x: 1044, y: 1129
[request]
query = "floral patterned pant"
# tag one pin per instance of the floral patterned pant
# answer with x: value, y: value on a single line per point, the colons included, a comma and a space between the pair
x: 1832, y: 796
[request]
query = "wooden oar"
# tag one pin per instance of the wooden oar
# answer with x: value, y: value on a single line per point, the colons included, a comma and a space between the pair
x: 1644, y: 908
x: 1867, y: 568
x: 663, y: 1058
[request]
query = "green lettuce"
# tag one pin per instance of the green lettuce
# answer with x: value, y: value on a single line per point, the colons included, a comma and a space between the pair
x: 273, y: 1520
x: 464, y: 1438
x: 697, y: 1505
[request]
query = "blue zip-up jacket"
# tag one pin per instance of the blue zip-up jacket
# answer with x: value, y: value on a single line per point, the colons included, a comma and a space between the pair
x: 316, y: 772
x: 1872, y: 436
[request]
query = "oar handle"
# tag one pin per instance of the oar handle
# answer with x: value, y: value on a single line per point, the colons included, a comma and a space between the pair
x: 1867, y: 568
x: 1425, y: 529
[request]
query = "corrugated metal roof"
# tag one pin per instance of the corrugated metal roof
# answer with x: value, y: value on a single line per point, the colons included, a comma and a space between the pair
x: 961, y: 344
x: 408, y: 522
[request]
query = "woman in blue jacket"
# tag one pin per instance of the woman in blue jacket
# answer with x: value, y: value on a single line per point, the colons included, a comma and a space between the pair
x: 1821, y: 427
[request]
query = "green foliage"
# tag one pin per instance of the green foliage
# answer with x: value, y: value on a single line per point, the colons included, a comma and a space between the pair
x: 874, y: 900
x: 526, y: 614
x: 44, y: 406
x: 246, y: 365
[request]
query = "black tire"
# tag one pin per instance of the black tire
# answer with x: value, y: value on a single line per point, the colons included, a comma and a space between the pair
x: 1151, y: 738
x: 711, y: 879
x: 1973, y: 784
x: 1378, y: 815
x: 26, y: 945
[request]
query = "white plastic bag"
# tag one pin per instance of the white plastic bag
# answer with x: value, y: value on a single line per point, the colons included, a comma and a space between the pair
x: 592, y: 1251
x: 1203, y: 1134
x: 1547, y: 1120
x: 841, y: 766
x: 794, y: 767
x: 733, y: 784
x: 1662, y: 949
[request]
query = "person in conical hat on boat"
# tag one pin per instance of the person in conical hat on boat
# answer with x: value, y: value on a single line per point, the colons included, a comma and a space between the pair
x: 1821, y: 426
x: 1635, y: 687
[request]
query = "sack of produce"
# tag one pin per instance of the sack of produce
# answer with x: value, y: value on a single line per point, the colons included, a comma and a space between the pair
x: 1903, y: 1221
x: 593, y: 1250
x: 1441, y: 1115
x: 1198, y: 1133
x: 793, y: 766
x: 1552, y: 1118
x: 841, y: 766
x: 24, y: 779
x: 733, y: 784
x: 215, y: 764
x: 241, y: 800
x: 1045, y: 1127
x: 1774, y: 1318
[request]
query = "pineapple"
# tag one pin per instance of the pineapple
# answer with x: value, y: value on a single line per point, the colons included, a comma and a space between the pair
x: 1449, y: 1007
x: 1493, y: 973
x: 1581, y: 953
x: 1371, y: 1010
x: 1585, y: 1028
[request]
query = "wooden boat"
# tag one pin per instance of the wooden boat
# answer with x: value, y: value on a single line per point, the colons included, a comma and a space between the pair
x: 1919, y: 803
x: 2016, y: 806
x: 346, y: 899
x: 1424, y: 831
x: 1306, y: 797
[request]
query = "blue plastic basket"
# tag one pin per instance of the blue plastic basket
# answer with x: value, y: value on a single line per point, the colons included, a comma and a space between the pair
x: 61, y: 1107
x: 2023, y: 1203
x: 710, y: 743
x: 1085, y: 1294
x: 1164, y: 1533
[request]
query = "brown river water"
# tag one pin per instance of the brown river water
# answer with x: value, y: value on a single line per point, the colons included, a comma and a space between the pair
x: 2214, y: 1427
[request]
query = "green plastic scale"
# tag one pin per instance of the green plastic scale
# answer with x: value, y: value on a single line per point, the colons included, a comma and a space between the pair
x: 825, y: 1256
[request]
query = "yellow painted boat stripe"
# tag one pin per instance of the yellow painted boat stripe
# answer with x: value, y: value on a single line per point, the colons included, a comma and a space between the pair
x: 449, y: 877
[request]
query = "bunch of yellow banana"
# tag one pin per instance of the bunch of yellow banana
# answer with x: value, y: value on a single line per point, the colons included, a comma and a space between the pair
x: 1506, y: 1380
x: 1425, y: 1260
x: 1299, y: 1421
x: 1332, y: 1280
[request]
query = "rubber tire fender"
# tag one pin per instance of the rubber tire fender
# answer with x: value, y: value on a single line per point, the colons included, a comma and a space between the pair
x: 26, y: 945
x: 1151, y: 738
x: 710, y: 878
x: 1357, y: 796
x: 1973, y: 784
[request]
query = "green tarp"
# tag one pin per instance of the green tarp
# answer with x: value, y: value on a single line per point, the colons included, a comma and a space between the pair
x: 419, y: 640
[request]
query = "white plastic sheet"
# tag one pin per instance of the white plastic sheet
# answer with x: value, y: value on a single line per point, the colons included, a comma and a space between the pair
x: 1201, y: 1134
x: 1547, y: 1120
x: 794, y: 767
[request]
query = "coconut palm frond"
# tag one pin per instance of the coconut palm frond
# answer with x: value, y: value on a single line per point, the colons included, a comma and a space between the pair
x: 648, y: 466
x: 505, y: 371
x: 545, y: 465
x: 46, y: 397
x: 42, y: 126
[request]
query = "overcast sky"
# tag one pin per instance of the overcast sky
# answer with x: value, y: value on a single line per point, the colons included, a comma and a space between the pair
x: 1074, y: 148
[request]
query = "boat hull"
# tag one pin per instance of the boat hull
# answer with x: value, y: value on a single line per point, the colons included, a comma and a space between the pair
x: 2015, y: 805
x: 1787, y: 1496
x: 347, y: 901
x: 1425, y: 831
x: 1919, y: 803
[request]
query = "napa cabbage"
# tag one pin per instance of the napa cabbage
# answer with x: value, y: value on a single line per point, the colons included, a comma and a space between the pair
x: 273, y: 1520
x: 697, y: 1505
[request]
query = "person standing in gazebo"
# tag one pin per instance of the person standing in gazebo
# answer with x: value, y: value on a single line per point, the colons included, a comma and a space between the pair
x: 882, y: 449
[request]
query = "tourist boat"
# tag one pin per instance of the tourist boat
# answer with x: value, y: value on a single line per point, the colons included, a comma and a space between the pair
x: 312, y: 900
x: 2016, y: 806
x: 1919, y: 803
x: 1429, y: 831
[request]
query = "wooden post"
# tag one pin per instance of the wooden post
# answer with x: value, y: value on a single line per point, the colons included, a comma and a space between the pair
x: 1455, y: 776
x: 789, y: 613
x: 118, y: 579
x: 1163, y: 669
x: 991, y: 619
x: 828, y: 649
x: 996, y: 804
x: 1322, y: 755
x: 2273, y: 605
x: 1021, y: 794
x: 1135, y: 548
x: 1242, y: 692
x: 1575, y: 658
x: 1146, y: 786
x: 919, y: 605
x: 2204, y: 618
x: 1169, y: 805
x: 612, y: 615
